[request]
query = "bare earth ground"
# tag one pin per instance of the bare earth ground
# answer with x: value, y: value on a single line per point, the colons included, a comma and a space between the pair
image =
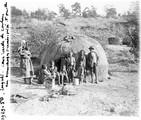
x: 115, y: 96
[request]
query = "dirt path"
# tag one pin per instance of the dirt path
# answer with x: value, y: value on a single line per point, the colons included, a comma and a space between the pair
x: 116, y: 96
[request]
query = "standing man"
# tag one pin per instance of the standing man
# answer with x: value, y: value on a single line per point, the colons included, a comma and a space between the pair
x: 81, y: 65
x: 92, y: 62
x: 71, y: 67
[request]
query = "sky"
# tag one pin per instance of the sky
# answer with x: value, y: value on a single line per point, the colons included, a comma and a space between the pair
x: 31, y: 5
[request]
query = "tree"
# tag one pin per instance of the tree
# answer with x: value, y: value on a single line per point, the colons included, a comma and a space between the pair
x: 110, y: 11
x: 93, y: 12
x: 40, y: 14
x: 76, y: 9
x: 37, y: 14
x: 15, y: 11
x: 87, y: 13
x: 51, y: 15
x: 133, y: 19
x: 133, y: 14
x: 63, y: 11
x: 25, y: 13
x: 43, y: 14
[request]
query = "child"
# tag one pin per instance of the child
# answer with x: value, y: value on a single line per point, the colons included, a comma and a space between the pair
x: 46, y: 77
x: 63, y: 73
x: 54, y: 73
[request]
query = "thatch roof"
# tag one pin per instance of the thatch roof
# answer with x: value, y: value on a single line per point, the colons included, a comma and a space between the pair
x: 79, y: 42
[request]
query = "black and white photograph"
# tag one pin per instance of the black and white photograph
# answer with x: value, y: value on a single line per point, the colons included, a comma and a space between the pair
x: 74, y: 58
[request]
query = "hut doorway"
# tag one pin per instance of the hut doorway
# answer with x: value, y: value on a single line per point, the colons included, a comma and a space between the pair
x: 58, y: 61
x: 58, y: 64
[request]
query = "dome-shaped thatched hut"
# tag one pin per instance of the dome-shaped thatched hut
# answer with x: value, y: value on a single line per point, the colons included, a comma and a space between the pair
x: 75, y: 44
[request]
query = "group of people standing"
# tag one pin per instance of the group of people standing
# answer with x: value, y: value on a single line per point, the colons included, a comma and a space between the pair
x: 69, y: 67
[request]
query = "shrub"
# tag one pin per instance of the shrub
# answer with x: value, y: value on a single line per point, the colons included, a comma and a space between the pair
x: 41, y: 34
x: 113, y: 41
x: 126, y: 41
x: 16, y: 20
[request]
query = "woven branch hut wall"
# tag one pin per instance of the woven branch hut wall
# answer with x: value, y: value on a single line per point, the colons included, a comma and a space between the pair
x: 75, y: 44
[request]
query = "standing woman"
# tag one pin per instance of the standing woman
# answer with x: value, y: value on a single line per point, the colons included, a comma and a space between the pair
x: 26, y: 66
x: 81, y: 66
